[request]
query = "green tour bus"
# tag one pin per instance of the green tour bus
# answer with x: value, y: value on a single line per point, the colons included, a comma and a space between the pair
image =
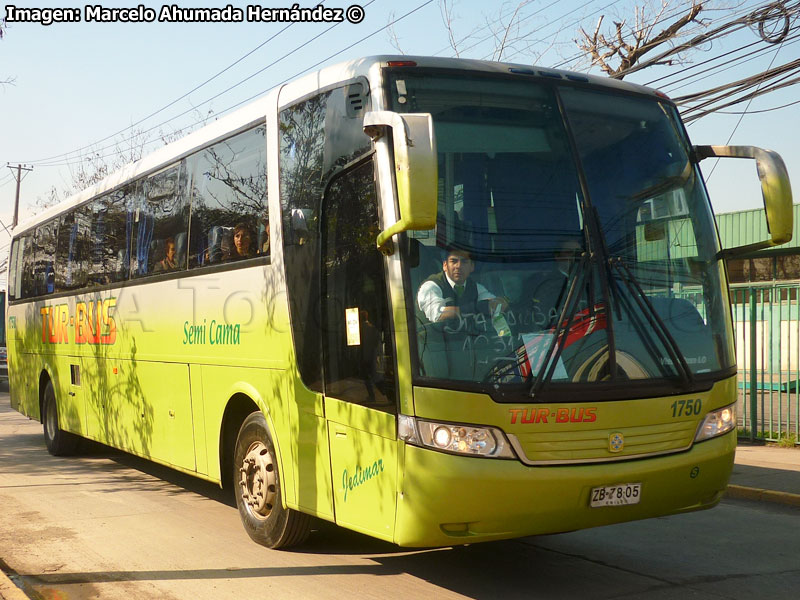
x: 268, y: 304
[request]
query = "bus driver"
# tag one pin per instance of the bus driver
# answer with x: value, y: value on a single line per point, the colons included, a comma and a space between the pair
x: 448, y: 294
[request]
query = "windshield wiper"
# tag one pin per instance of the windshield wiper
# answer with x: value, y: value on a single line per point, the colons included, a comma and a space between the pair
x: 545, y: 373
x: 662, y: 331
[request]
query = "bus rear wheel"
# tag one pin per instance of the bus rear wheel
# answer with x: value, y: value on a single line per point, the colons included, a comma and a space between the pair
x: 58, y: 441
x: 257, y: 487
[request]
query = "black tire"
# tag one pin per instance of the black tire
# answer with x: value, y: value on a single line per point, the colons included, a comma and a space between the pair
x: 58, y: 441
x: 257, y: 488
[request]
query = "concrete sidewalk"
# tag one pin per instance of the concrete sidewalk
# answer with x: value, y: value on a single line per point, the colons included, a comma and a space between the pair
x: 766, y: 473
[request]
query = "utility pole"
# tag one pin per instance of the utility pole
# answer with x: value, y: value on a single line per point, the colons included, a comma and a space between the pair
x: 19, y: 177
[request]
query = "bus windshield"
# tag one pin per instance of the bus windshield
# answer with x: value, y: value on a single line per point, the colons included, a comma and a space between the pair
x: 574, y: 243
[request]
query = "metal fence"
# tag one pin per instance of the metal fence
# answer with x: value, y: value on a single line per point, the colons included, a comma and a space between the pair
x: 767, y: 323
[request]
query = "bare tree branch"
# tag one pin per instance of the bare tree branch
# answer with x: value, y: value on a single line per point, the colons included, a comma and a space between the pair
x: 446, y: 9
x: 757, y: 17
x: 503, y: 35
x: 394, y: 40
x: 95, y: 166
x: 628, y: 46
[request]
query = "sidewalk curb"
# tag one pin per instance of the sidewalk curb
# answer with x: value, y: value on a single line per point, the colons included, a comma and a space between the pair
x: 750, y: 493
x: 9, y: 591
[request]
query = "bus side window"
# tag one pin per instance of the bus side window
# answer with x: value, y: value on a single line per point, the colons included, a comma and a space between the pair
x: 110, y: 238
x: 160, y: 212
x: 25, y: 267
x: 44, y: 257
x: 68, y: 275
x: 13, y: 269
x: 229, y: 189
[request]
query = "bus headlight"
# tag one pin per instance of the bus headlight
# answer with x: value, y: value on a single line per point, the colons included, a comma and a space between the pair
x: 716, y: 423
x: 471, y: 440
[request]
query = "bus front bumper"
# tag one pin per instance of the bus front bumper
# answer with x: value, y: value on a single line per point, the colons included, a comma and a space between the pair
x: 448, y: 500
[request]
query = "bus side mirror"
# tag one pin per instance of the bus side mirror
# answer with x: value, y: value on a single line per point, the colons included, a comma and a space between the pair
x: 775, y: 189
x: 415, y: 168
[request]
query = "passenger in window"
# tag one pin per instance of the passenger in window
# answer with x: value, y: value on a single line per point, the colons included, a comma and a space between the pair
x: 168, y: 263
x: 451, y: 293
x: 242, y: 242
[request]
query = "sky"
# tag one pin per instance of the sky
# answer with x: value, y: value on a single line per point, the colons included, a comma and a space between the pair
x: 80, y: 87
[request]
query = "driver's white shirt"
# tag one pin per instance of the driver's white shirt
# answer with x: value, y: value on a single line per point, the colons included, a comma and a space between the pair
x: 431, y: 302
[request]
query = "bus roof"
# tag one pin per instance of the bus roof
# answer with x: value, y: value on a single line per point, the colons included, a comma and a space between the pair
x: 258, y: 109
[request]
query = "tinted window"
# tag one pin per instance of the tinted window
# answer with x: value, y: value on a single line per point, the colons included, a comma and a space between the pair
x: 72, y: 250
x: 111, y: 229
x: 44, y: 259
x: 15, y: 268
x: 26, y: 270
x: 229, y: 200
x: 143, y: 228
x: 358, y: 352
x: 161, y: 222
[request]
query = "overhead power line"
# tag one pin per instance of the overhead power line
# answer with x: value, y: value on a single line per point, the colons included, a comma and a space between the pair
x: 73, y: 162
x: 694, y: 66
x: 555, y: 33
x: 759, y: 18
x: 93, y: 146
x: 67, y: 159
x: 168, y: 105
x: 511, y: 11
x: 755, y: 112
x: 721, y: 93
x: 723, y: 67
x: 739, y: 122
x: 664, y: 18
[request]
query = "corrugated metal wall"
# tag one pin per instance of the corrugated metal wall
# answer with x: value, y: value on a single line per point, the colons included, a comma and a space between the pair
x: 750, y: 226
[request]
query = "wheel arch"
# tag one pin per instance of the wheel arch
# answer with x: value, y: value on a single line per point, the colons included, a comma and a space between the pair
x: 242, y: 402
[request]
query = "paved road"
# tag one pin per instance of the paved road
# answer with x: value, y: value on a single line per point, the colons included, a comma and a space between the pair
x: 106, y: 525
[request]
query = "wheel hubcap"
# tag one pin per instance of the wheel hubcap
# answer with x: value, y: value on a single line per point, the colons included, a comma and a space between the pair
x: 257, y: 480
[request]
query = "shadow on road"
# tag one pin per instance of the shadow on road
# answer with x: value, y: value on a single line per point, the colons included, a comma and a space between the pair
x: 494, y: 570
x: 107, y: 466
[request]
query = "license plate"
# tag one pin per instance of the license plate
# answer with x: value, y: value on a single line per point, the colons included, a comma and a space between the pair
x: 616, y: 495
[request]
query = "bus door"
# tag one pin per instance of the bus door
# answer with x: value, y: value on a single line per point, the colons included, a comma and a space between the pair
x: 360, y: 397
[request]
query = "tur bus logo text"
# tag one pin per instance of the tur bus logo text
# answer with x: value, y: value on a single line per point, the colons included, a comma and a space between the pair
x: 92, y: 323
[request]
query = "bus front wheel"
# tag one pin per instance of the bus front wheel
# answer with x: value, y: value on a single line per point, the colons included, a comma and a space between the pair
x: 58, y: 441
x: 257, y: 487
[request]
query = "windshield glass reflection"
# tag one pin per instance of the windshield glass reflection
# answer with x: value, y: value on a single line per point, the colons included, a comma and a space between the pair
x: 533, y: 277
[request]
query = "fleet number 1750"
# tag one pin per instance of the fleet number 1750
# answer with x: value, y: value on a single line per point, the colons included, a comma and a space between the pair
x: 687, y: 408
